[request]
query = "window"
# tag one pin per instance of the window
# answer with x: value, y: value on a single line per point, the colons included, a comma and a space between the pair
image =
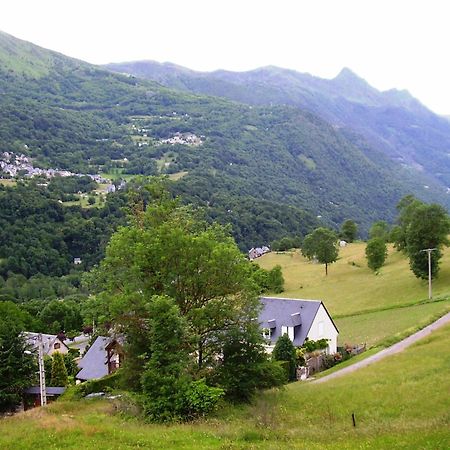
x: 267, y: 333
x: 289, y: 331
x: 321, y: 329
x: 57, y: 346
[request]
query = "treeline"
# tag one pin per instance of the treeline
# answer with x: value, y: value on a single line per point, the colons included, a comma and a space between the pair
x: 42, y: 236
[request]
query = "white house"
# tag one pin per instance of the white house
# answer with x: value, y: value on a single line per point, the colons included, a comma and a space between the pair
x: 50, y: 342
x: 299, y: 319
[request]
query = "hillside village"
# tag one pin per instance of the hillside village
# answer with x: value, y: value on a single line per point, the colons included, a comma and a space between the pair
x: 14, y: 165
x: 253, y: 259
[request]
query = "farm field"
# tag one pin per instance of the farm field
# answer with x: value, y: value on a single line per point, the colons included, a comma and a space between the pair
x: 7, y: 182
x: 395, y: 403
x: 366, y: 307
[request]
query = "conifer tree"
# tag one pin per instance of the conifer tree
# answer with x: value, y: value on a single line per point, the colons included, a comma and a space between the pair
x: 59, y: 371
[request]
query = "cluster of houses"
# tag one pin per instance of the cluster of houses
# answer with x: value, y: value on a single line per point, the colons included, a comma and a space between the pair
x: 190, y: 139
x: 13, y: 165
x: 300, y: 319
x: 254, y: 253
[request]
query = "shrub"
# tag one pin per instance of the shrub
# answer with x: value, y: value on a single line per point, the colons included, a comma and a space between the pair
x: 198, y: 399
x: 284, y: 350
x: 245, y: 367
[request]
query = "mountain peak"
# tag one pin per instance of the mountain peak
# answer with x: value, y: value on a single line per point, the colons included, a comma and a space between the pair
x: 347, y: 74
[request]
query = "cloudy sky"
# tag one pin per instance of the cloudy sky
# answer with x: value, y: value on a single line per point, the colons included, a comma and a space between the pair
x: 395, y: 43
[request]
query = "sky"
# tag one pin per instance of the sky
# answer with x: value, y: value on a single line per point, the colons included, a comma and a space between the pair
x: 392, y: 44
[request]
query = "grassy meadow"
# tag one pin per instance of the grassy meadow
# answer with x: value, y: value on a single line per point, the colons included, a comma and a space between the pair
x: 398, y: 403
x: 367, y: 308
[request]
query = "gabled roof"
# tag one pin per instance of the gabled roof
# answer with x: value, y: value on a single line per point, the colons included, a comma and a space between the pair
x: 283, y: 312
x: 94, y: 364
x: 289, y: 313
x: 48, y: 340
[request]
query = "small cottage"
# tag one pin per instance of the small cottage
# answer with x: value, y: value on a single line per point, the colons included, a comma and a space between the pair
x: 299, y: 319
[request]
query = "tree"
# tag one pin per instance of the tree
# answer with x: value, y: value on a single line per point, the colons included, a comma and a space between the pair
x: 17, y: 366
x: 268, y: 280
x: 245, y: 367
x: 59, y: 371
x: 376, y: 253
x: 349, y: 230
x: 421, y: 226
x: 379, y: 229
x: 406, y: 207
x: 284, y: 350
x: 321, y: 244
x: 428, y: 228
x: 168, y: 250
x: 165, y: 373
x: 170, y: 393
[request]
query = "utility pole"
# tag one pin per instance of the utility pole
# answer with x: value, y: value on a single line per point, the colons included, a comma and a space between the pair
x: 429, y: 250
x: 43, y: 390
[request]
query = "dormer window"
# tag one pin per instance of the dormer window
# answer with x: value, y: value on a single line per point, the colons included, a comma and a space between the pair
x: 289, y: 331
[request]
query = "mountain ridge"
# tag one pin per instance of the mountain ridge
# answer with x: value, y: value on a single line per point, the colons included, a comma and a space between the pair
x: 265, y: 169
x: 392, y: 121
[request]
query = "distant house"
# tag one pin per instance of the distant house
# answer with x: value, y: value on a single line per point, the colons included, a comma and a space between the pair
x: 254, y: 253
x: 104, y: 357
x: 299, y: 319
x: 78, y: 343
x: 51, y: 343
x: 77, y: 261
x: 32, y: 395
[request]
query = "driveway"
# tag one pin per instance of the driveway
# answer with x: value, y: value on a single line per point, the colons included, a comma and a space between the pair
x: 396, y: 348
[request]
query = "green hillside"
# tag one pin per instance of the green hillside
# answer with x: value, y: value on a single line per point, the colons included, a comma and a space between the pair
x: 398, y: 403
x: 72, y: 115
x: 393, y: 121
x: 367, y: 308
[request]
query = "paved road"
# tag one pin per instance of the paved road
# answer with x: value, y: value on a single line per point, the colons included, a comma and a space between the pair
x: 396, y: 348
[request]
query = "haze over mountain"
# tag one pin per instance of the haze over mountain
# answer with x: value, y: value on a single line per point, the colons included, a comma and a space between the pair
x: 392, y: 121
x: 269, y: 170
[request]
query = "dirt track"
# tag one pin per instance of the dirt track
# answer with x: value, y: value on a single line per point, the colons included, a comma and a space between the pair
x: 396, y: 348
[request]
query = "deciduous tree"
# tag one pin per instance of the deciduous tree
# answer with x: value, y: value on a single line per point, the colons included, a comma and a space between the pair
x: 321, y: 244
x: 349, y: 230
x: 376, y: 253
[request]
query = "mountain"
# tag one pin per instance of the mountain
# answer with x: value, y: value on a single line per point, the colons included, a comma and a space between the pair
x: 266, y: 170
x: 393, y: 121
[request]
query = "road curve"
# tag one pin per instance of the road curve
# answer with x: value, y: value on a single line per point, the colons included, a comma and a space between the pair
x: 396, y: 348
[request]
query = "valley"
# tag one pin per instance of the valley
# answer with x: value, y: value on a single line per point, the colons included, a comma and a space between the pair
x: 130, y: 196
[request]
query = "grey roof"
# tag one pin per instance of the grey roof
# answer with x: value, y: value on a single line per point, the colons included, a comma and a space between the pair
x: 93, y: 364
x: 47, y: 340
x: 50, y: 390
x: 78, y: 342
x: 297, y: 313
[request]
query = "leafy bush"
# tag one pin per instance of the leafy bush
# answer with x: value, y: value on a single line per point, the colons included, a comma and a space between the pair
x: 199, y: 399
x: 310, y: 345
x: 99, y: 385
x: 284, y: 351
x: 245, y: 367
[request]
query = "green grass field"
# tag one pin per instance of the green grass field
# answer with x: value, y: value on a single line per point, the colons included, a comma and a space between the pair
x: 366, y: 307
x: 401, y: 402
x: 7, y: 182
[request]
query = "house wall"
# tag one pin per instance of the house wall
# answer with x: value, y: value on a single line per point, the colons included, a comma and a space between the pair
x: 62, y: 348
x: 322, y: 327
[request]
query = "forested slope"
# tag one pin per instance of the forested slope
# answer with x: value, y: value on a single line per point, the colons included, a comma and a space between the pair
x: 261, y: 168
